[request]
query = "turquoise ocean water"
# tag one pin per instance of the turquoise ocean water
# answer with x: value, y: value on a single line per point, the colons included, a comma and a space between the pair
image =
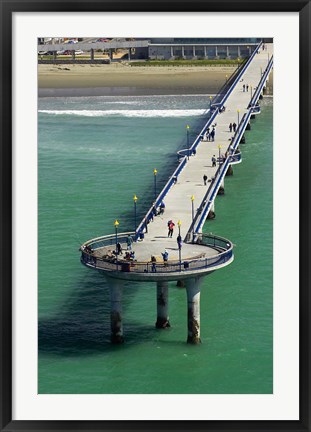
x: 94, y: 154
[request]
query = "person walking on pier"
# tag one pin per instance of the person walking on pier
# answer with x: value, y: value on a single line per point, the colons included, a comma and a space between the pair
x: 119, y: 249
x: 234, y: 127
x: 213, y: 134
x: 208, y: 136
x: 170, y: 228
x: 243, y: 87
x: 129, y: 242
x: 230, y: 127
x: 205, y: 179
x: 179, y: 241
x: 247, y: 87
x: 213, y: 161
x: 153, y: 212
x: 162, y: 208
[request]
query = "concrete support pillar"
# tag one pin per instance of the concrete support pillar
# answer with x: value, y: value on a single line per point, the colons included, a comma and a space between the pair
x: 73, y: 55
x: 221, y: 189
x: 229, y: 171
x: 116, y: 288
x: 129, y: 54
x: 239, y: 52
x: 249, y: 50
x: 248, y: 126
x: 92, y: 54
x: 193, y: 299
x: 193, y: 51
x: 162, y: 305
x: 172, y: 51
x: 54, y: 55
x: 243, y: 140
x: 228, y: 54
x: 211, y: 213
x: 111, y: 54
x: 205, y: 52
x: 183, y: 51
x: 216, y: 52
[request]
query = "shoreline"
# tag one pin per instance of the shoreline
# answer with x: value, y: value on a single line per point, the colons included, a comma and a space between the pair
x: 120, y: 91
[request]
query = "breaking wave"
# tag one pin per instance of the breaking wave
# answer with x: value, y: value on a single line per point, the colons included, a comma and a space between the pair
x: 128, y: 113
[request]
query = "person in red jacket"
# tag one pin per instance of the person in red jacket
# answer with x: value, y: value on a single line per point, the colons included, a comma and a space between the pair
x: 170, y: 228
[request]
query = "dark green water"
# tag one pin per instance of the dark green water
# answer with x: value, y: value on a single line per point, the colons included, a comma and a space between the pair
x: 91, y: 164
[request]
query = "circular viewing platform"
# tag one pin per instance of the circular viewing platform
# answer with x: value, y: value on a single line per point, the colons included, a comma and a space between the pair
x: 207, y: 254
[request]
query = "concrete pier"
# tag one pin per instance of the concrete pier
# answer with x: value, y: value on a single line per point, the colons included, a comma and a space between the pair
x: 200, y: 253
x: 193, y: 299
x: 162, y: 305
x: 116, y: 288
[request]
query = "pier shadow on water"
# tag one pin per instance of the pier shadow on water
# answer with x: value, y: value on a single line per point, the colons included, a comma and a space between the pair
x: 81, y: 326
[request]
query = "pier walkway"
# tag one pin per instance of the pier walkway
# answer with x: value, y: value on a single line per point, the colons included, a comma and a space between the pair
x: 188, y: 203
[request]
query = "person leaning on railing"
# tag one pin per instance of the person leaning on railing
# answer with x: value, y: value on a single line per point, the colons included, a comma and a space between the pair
x: 165, y: 257
x: 153, y: 264
x: 87, y: 249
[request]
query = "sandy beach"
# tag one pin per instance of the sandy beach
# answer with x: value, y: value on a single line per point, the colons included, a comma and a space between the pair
x: 122, y: 79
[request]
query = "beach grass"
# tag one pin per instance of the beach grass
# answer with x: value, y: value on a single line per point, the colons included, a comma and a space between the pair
x: 203, y: 62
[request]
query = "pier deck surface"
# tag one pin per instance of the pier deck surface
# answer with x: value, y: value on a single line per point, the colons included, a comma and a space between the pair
x: 190, y: 181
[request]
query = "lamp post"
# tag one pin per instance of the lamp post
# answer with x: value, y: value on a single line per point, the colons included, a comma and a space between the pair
x: 192, y: 208
x: 210, y: 105
x: 179, y: 244
x: 155, y: 183
x: 188, y: 127
x: 116, y: 224
x: 135, y: 211
x: 238, y: 111
x: 251, y: 92
x: 219, y: 147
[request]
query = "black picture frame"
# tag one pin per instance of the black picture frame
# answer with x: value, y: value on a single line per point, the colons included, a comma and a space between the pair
x: 7, y: 9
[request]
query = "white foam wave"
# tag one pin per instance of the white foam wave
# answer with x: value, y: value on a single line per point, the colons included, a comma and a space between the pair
x: 128, y: 113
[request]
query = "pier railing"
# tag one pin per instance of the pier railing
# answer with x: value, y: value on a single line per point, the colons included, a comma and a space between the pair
x: 261, y: 84
x: 96, y: 254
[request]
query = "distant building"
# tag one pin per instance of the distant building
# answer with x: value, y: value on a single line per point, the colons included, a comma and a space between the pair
x: 196, y: 48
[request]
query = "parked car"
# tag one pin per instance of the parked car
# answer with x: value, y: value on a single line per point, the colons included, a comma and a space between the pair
x: 79, y: 52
